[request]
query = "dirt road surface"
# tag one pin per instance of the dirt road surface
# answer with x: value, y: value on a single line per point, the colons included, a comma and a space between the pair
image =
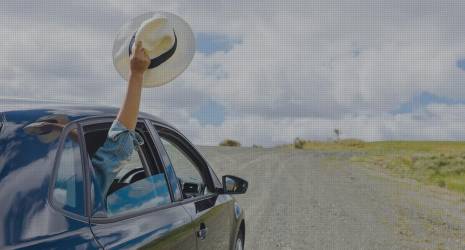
x: 317, y: 200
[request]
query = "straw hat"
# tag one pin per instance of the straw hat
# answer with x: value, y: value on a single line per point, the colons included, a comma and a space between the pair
x: 168, y: 41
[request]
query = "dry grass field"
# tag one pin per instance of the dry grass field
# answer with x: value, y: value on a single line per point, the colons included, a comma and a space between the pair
x: 440, y: 163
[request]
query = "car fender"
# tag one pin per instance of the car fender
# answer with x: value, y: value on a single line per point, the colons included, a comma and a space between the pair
x: 239, y: 217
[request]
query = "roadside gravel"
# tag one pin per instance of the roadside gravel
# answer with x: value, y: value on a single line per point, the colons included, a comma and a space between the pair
x: 318, y: 200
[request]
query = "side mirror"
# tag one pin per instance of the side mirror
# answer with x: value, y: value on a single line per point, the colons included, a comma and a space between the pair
x: 234, y: 185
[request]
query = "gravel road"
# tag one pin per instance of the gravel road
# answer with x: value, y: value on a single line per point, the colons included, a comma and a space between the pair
x: 315, y: 200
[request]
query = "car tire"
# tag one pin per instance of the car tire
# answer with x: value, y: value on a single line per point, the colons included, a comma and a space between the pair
x: 239, y: 244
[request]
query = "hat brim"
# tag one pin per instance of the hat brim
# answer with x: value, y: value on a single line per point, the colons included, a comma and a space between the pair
x: 169, y: 69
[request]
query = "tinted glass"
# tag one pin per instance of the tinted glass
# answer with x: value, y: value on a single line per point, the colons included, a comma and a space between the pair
x: 146, y: 193
x: 68, y: 187
x: 187, y: 172
x: 140, y: 192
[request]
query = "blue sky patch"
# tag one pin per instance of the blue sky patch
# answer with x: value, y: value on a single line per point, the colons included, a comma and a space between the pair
x: 424, y: 99
x: 209, y: 43
x: 461, y: 64
x: 210, y: 113
x: 356, y: 52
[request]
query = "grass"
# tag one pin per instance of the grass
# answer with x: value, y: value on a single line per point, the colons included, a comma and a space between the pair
x: 439, y: 163
x: 230, y: 143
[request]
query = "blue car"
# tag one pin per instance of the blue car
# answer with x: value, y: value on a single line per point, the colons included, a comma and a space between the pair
x: 165, y: 196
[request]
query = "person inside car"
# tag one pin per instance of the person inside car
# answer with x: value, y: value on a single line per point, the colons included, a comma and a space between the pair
x: 122, y: 137
x: 169, y: 41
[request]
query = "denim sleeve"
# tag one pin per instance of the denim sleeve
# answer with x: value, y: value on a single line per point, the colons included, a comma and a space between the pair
x: 118, y: 147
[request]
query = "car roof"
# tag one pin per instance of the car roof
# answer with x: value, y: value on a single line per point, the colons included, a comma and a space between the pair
x: 25, y: 111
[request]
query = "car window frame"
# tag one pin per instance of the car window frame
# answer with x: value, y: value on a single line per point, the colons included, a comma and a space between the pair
x: 132, y: 214
x: 164, y: 160
x: 56, y: 164
x: 2, y: 121
x: 195, y: 155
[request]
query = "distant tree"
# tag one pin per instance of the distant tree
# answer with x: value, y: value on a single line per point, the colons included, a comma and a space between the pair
x: 230, y: 143
x: 257, y: 146
x: 338, y: 133
x: 299, y: 143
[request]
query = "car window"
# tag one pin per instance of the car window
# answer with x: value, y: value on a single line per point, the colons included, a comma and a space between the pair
x: 188, y: 174
x: 68, y: 187
x: 138, y: 184
x: 149, y: 192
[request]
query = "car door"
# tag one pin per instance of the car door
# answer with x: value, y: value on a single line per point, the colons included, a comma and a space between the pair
x: 138, y: 209
x: 212, y: 213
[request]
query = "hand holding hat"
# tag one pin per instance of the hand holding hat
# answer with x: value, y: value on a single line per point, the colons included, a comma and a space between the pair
x: 139, y: 59
x: 167, y: 40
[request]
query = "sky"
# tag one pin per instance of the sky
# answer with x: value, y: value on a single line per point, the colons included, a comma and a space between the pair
x: 264, y: 72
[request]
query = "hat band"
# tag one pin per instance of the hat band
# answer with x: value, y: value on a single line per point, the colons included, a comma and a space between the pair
x: 155, y: 62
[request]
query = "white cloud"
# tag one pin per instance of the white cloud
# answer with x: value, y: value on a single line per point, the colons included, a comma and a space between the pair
x: 302, y: 69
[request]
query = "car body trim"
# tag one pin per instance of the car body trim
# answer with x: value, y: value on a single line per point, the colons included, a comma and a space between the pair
x: 2, y: 119
x: 135, y: 214
x: 155, y: 138
x: 51, y: 203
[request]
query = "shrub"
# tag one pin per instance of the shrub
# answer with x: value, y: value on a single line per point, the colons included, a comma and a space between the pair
x: 441, y: 183
x: 299, y: 143
x: 230, y: 143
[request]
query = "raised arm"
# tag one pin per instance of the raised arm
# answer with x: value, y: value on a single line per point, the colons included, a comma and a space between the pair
x: 121, y: 138
x: 130, y: 109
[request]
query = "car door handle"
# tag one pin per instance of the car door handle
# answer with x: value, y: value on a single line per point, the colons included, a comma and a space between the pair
x: 202, y: 233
